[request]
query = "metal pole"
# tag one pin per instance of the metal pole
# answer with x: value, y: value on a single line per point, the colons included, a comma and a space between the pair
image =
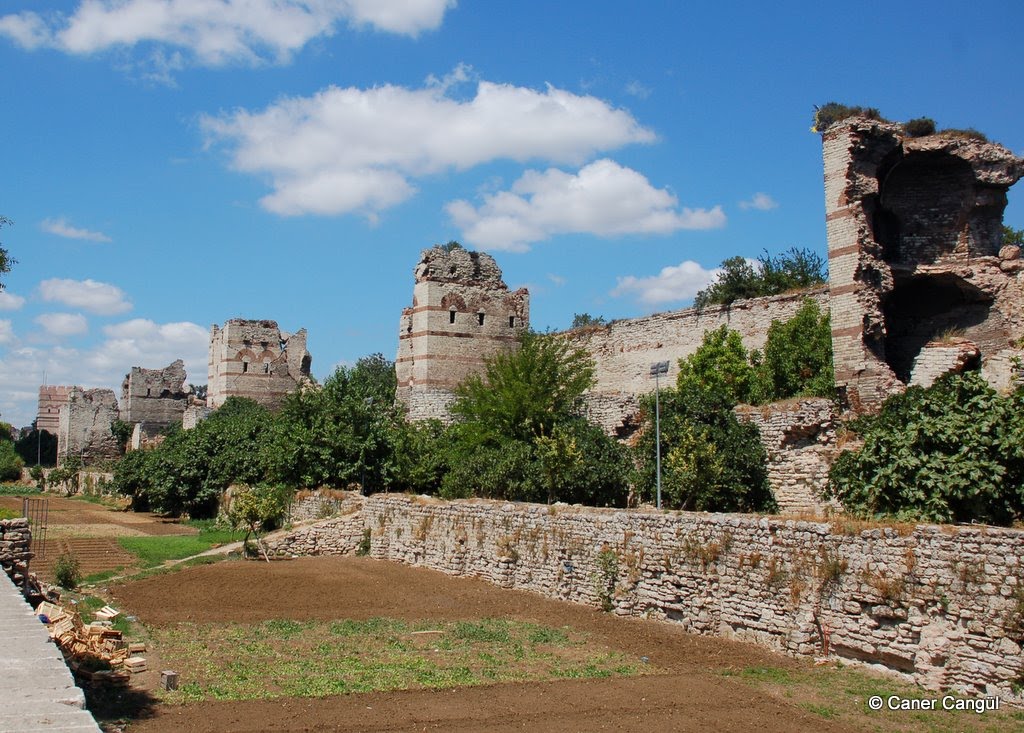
x: 657, y: 431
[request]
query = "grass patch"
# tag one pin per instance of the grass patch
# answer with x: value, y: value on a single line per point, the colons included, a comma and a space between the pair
x: 284, y: 658
x: 9, y: 514
x: 153, y: 551
x: 18, y: 490
x: 840, y: 693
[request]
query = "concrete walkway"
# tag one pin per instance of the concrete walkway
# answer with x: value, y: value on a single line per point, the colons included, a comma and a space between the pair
x: 37, y: 691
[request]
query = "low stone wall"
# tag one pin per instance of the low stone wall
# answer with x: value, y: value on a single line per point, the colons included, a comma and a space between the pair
x: 323, y: 505
x: 15, y: 540
x: 799, y: 437
x: 344, y: 535
x: 943, y: 606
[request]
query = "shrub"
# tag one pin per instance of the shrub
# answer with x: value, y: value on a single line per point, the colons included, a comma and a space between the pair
x: 919, y: 127
x: 953, y: 452
x: 67, y: 572
x: 796, y: 269
x: 831, y: 112
x: 10, y: 462
x: 797, y: 358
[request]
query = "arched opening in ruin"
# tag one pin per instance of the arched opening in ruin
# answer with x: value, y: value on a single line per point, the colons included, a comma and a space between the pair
x: 923, y: 206
x: 926, y: 308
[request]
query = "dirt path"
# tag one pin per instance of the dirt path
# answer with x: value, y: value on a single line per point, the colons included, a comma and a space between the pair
x: 689, y: 695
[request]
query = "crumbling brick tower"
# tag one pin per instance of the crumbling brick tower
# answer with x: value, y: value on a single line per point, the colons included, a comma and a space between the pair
x: 154, y: 399
x: 462, y: 313
x: 920, y: 283
x: 255, y: 359
x: 85, y: 420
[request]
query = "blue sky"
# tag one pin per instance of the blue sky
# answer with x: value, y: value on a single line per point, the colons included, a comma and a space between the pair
x: 170, y: 164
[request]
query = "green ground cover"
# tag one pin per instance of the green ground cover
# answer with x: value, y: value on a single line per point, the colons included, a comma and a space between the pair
x: 285, y: 658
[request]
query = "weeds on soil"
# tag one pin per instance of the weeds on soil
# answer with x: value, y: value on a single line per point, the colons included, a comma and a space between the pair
x: 67, y: 572
x: 285, y: 658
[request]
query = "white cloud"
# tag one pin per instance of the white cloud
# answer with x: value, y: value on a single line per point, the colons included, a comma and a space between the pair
x: 60, y: 325
x: 760, y: 201
x: 90, y: 295
x: 556, y: 279
x: 604, y: 198
x: 215, y: 32
x: 674, y: 283
x: 142, y: 342
x: 638, y: 90
x: 6, y: 331
x: 356, y: 150
x: 61, y: 228
x: 10, y: 301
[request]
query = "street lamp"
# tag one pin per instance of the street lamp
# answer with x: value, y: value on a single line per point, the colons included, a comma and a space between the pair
x: 657, y: 369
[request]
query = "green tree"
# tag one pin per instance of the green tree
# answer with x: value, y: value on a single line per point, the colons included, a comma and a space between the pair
x: 10, y: 462
x: 521, y: 437
x: 953, y: 452
x: 35, y: 448
x: 585, y: 320
x: 719, y: 367
x: 797, y: 359
x: 344, y: 433
x: 257, y: 508
x: 1013, y: 236
x: 525, y: 392
x: 795, y: 269
x: 6, y: 261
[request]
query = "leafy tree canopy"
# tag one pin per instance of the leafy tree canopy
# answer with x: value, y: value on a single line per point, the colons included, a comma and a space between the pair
x: 953, y: 452
x: 795, y: 269
x: 585, y: 320
x: 1013, y: 236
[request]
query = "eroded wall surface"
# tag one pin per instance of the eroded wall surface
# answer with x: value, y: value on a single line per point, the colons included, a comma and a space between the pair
x: 942, y: 606
x: 462, y: 313
x: 85, y: 426
x: 623, y: 351
x: 154, y: 399
x: 799, y: 438
x: 257, y: 360
x: 916, y: 255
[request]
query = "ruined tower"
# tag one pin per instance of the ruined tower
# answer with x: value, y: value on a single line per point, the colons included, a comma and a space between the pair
x: 51, y: 399
x: 85, y: 421
x: 154, y: 399
x: 919, y: 281
x: 255, y: 359
x: 462, y: 312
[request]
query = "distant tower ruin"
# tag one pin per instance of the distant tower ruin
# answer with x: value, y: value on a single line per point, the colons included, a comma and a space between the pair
x: 462, y: 313
x: 255, y: 359
x: 919, y: 281
x: 154, y: 399
x: 85, y: 421
x: 51, y: 399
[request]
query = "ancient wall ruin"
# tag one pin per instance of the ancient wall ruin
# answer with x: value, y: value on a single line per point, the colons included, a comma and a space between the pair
x: 623, y: 351
x: 257, y: 360
x: 154, y: 399
x: 85, y: 422
x: 462, y: 313
x: 15, y: 541
x: 942, y: 606
x: 799, y: 438
x: 51, y: 399
x: 915, y: 255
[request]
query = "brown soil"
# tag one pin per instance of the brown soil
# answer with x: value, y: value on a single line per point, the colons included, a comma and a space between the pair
x: 688, y: 693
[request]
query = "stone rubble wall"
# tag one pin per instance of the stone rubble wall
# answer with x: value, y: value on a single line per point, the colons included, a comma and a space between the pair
x: 336, y: 536
x: 15, y: 540
x: 85, y: 426
x: 323, y: 505
x: 623, y: 351
x: 942, y: 606
x: 799, y: 437
x: 154, y: 398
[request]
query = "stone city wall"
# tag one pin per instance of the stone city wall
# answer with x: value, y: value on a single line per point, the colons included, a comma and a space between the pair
x: 310, y: 505
x: 154, y: 399
x: 799, y: 437
x: 85, y: 422
x: 942, y: 606
x: 51, y: 399
x: 15, y: 539
x: 255, y: 359
x: 623, y: 351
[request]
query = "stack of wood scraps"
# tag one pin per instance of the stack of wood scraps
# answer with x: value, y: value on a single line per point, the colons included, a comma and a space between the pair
x: 94, y: 651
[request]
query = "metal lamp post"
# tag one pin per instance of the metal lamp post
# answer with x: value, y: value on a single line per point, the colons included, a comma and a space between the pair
x: 657, y: 369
